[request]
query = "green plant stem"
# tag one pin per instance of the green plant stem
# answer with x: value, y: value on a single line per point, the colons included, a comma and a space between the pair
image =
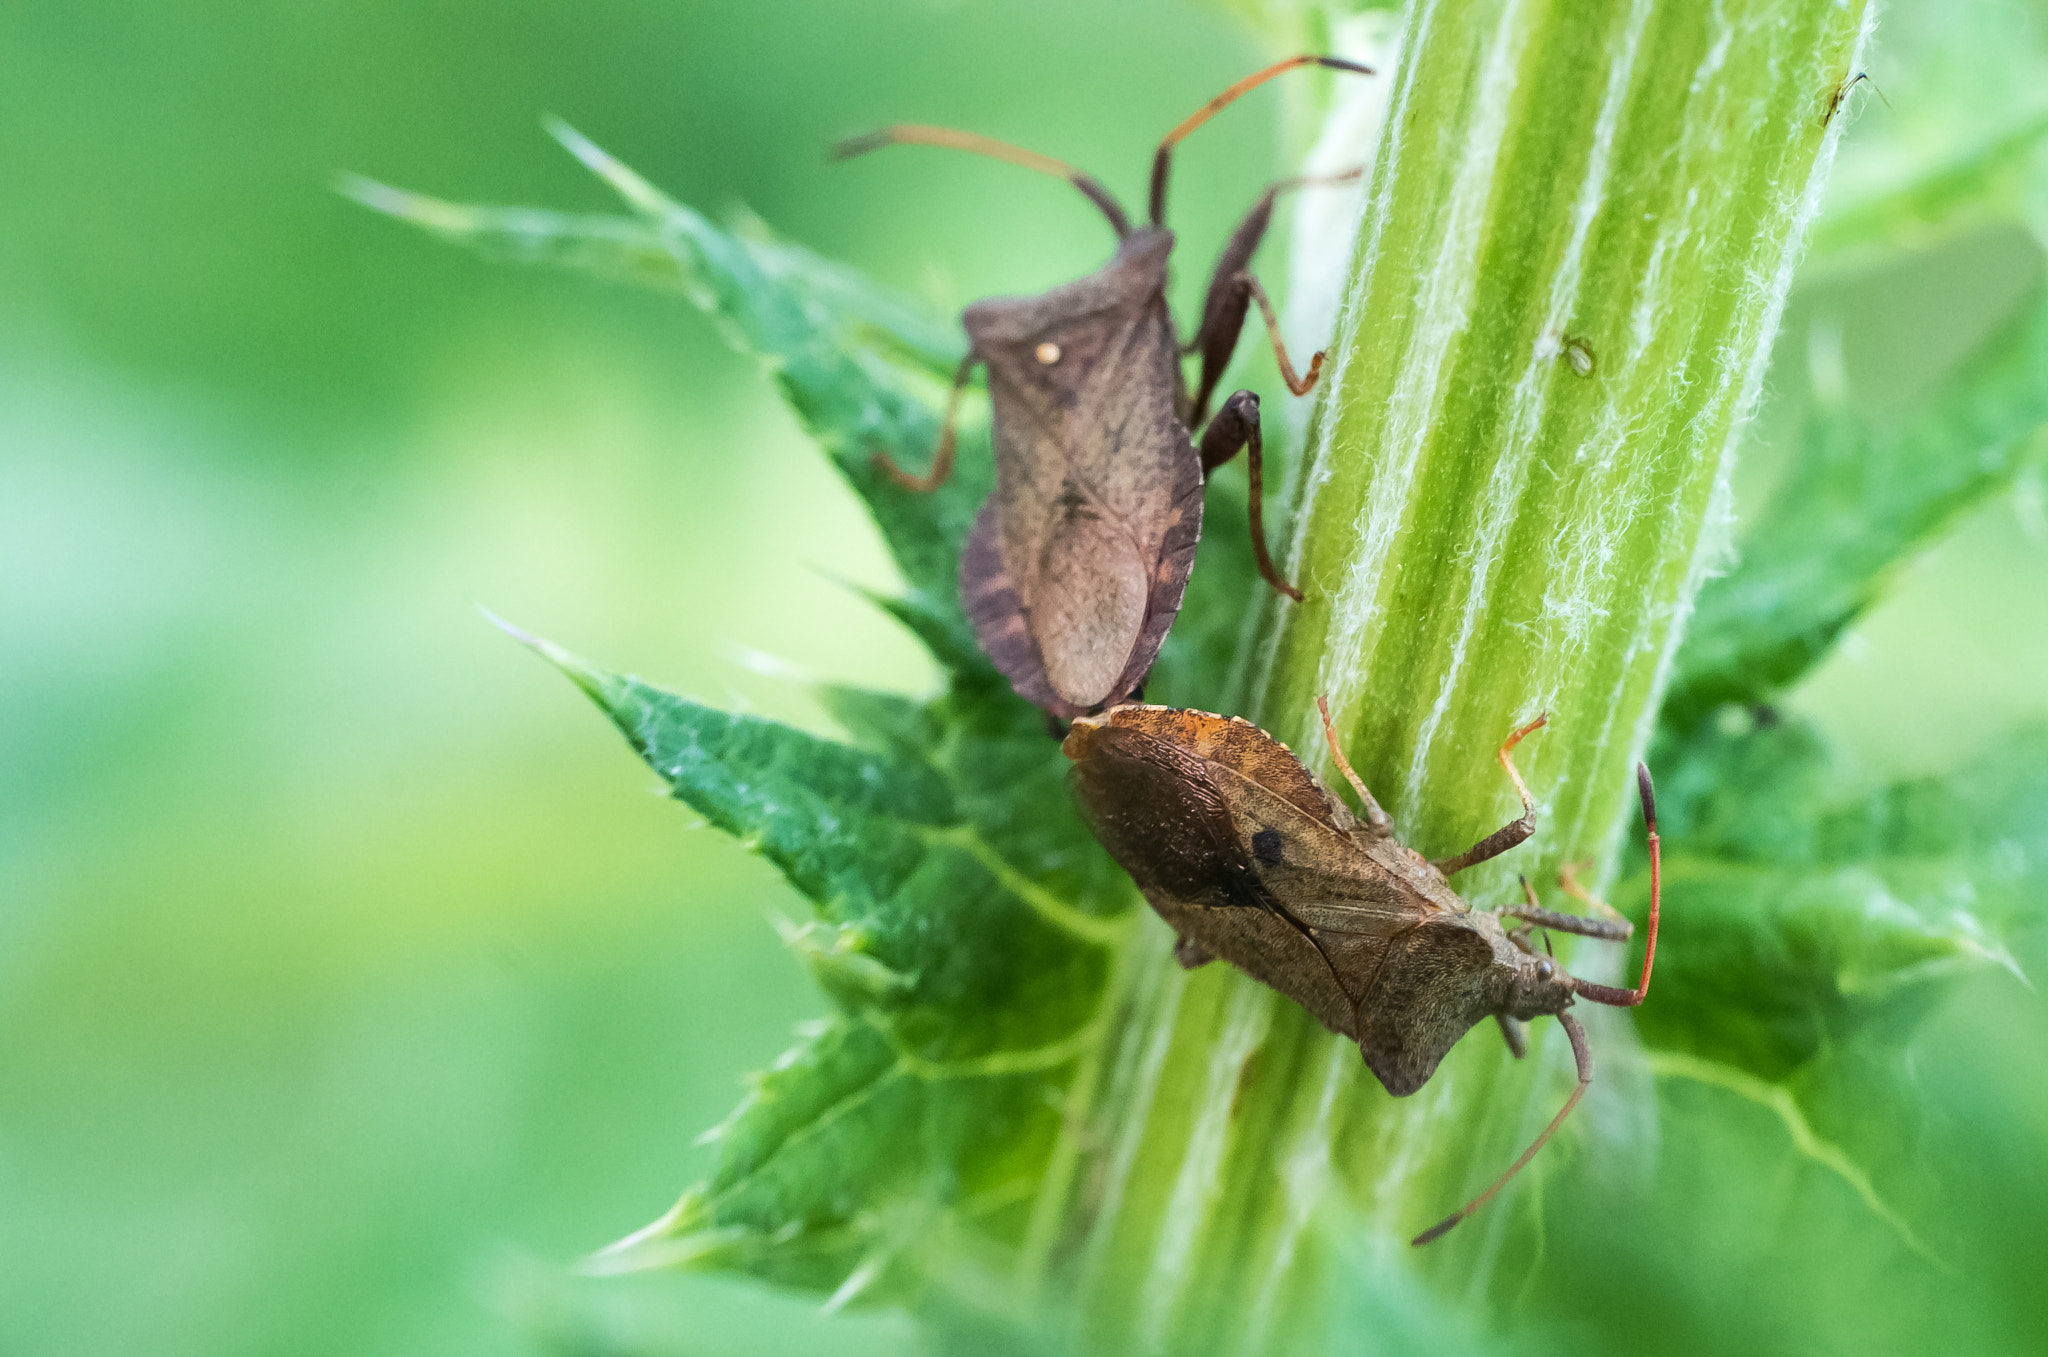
x: 1581, y: 231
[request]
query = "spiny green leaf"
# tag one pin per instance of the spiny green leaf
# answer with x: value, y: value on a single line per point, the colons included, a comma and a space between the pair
x: 1808, y: 917
x: 843, y: 1167
x: 967, y: 989
x: 1775, y: 965
x: 884, y: 721
x: 887, y: 845
x: 835, y: 346
x: 1860, y: 499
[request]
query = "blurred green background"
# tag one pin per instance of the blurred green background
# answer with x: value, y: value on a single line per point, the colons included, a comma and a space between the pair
x: 352, y: 980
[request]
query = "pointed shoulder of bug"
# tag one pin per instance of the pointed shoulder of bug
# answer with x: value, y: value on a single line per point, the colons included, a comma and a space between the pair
x: 1225, y: 742
x: 1131, y: 279
x: 1085, y: 372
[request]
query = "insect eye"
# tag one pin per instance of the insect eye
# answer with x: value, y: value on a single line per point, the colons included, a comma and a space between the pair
x: 1048, y: 353
x: 1544, y: 970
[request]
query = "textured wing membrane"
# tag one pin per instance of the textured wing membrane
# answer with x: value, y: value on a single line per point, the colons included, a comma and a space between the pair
x: 1098, y: 485
x: 1266, y: 877
x: 990, y: 601
x: 1241, y: 748
x: 1092, y: 587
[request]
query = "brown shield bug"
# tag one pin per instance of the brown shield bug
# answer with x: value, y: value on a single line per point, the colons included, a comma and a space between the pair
x: 1075, y: 568
x: 1249, y: 858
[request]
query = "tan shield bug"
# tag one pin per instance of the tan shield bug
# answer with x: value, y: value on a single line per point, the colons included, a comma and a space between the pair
x: 1249, y: 858
x: 1075, y: 568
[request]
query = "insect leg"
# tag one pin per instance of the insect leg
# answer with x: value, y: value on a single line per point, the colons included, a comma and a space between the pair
x: 1568, y: 882
x: 1612, y: 927
x: 942, y: 460
x: 1616, y: 929
x: 1584, y: 1060
x: 1231, y: 293
x: 1629, y: 998
x: 1237, y: 426
x: 1509, y: 834
x: 1518, y: 1042
x: 1376, y: 820
x: 1613, y: 930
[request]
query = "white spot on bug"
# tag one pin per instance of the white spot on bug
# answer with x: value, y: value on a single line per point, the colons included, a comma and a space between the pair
x: 1047, y: 353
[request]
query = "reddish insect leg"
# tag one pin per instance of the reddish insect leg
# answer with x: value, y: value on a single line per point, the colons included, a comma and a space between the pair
x: 1231, y: 292
x: 1568, y: 882
x: 1612, y: 929
x: 942, y: 460
x: 1376, y: 820
x: 1511, y: 1032
x: 1514, y: 831
x: 1237, y: 426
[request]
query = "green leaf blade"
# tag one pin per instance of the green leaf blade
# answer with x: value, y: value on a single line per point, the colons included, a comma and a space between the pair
x: 1861, y: 499
x: 855, y: 366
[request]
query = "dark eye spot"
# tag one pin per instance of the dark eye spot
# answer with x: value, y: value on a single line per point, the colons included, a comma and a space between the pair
x: 1544, y: 969
x: 1266, y: 846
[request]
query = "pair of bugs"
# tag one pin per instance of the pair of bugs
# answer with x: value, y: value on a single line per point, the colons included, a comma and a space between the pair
x: 1071, y: 578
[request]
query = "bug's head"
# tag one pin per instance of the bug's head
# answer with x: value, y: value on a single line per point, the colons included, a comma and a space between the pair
x: 1539, y: 986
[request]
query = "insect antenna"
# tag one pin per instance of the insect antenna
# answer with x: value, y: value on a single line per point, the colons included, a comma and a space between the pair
x: 1629, y: 998
x: 1163, y: 157
x: 914, y: 134
x: 1584, y: 1059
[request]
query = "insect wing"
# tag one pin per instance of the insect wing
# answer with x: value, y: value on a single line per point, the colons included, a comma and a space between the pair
x: 1240, y: 850
x: 1098, y: 486
x: 989, y: 597
x: 1154, y: 808
x: 1313, y: 870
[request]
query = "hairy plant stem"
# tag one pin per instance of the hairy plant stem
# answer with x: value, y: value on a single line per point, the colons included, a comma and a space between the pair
x: 1580, y: 233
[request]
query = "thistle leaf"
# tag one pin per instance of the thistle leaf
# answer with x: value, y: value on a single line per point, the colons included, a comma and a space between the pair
x: 1807, y: 922
x: 1861, y: 499
x: 856, y: 366
x: 966, y: 989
